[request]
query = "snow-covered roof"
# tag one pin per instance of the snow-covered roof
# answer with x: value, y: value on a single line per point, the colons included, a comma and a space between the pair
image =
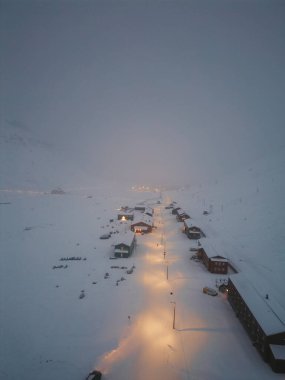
x: 143, y: 218
x: 211, y: 250
x: 127, y: 213
x: 181, y: 212
x: 149, y: 210
x: 125, y: 238
x: 260, y: 307
x: 188, y: 223
x: 219, y: 259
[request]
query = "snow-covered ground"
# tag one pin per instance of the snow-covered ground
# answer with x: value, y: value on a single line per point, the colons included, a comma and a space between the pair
x: 49, y: 332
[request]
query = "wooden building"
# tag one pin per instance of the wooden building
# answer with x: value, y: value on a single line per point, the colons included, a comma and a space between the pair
x: 125, y: 245
x: 181, y: 215
x: 214, y: 264
x: 142, y: 223
x: 193, y: 232
x: 262, y: 318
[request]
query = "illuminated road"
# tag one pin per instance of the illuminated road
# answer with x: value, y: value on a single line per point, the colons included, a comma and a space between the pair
x: 151, y: 348
x: 206, y: 331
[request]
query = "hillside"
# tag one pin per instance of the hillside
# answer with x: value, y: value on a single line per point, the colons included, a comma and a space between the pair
x: 30, y: 162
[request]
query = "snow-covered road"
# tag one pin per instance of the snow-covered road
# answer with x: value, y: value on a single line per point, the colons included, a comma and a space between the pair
x: 208, y: 341
x: 49, y: 333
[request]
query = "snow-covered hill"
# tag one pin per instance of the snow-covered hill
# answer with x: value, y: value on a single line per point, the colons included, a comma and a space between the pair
x: 29, y: 162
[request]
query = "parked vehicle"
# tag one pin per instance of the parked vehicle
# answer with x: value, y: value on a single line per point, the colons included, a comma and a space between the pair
x: 210, y: 291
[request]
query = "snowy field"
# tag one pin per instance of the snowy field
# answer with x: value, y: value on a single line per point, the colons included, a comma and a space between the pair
x: 48, y: 332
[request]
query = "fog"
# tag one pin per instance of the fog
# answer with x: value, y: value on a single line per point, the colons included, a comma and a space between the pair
x: 147, y: 91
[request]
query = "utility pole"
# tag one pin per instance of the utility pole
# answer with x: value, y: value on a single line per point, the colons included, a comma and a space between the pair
x: 173, y: 324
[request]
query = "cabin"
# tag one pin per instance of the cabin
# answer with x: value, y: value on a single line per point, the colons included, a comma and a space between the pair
x: 125, y: 245
x: 125, y: 216
x: 142, y: 224
x: 191, y: 231
x: 214, y: 264
x: 181, y: 215
x: 262, y: 318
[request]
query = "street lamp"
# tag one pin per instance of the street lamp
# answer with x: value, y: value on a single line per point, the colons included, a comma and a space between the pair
x: 174, y: 305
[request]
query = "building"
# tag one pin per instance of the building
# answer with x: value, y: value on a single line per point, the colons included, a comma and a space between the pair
x: 191, y: 231
x: 262, y: 317
x: 142, y: 223
x: 181, y: 215
x: 214, y: 264
x: 125, y: 216
x: 174, y: 210
x: 140, y: 208
x: 125, y: 245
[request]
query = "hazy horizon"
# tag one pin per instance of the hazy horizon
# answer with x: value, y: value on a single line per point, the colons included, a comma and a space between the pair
x: 148, y: 91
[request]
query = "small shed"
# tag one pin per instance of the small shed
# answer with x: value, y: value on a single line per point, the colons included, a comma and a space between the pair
x: 125, y: 245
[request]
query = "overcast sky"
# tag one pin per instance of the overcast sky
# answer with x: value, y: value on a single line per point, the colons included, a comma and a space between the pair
x: 151, y: 91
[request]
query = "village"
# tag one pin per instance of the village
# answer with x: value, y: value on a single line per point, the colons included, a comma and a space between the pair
x: 256, y: 312
x: 149, y: 285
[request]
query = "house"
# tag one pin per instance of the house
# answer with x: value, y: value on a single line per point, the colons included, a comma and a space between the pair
x: 214, y: 264
x: 174, y: 210
x: 125, y: 244
x: 191, y: 231
x: 140, y: 208
x: 262, y: 317
x: 142, y: 223
x: 125, y: 216
x: 181, y: 215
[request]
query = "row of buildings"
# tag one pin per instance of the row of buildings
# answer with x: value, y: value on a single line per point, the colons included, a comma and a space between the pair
x: 262, y: 318
x: 214, y: 262
x: 141, y: 221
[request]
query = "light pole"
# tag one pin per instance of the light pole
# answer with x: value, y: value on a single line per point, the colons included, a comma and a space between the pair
x: 174, y: 304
